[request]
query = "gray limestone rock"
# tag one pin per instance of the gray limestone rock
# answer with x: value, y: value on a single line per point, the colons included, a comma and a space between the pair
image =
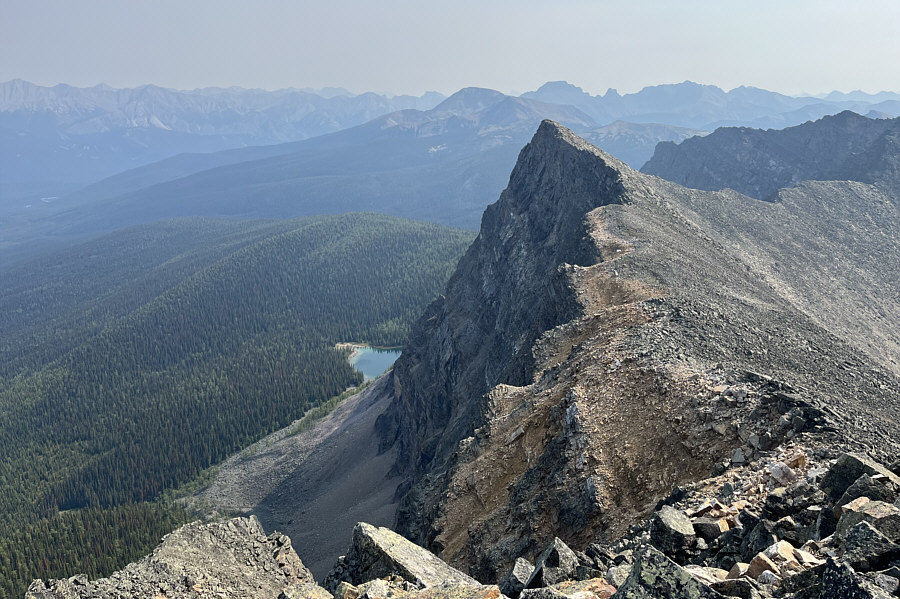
x: 378, y: 552
x: 865, y: 548
x: 848, y: 468
x: 307, y: 590
x: 671, y: 531
x: 655, y: 576
x: 758, y: 539
x: 517, y: 577
x: 232, y: 559
x: 738, y: 587
x: 883, y: 516
x: 710, y: 528
x: 840, y: 581
x: 880, y: 489
x: 556, y: 564
x: 617, y: 575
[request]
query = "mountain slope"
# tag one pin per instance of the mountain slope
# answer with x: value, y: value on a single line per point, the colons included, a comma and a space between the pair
x: 758, y: 163
x: 444, y: 165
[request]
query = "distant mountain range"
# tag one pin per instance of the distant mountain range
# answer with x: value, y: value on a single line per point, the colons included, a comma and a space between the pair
x: 443, y: 165
x: 56, y: 139
x: 149, y: 153
x: 707, y: 107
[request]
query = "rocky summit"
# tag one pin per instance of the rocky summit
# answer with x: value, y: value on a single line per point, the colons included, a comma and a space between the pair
x: 630, y: 389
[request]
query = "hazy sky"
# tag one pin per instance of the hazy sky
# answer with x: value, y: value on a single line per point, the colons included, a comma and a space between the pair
x: 402, y: 46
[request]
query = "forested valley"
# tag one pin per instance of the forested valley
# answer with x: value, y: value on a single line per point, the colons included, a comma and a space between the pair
x: 132, y: 363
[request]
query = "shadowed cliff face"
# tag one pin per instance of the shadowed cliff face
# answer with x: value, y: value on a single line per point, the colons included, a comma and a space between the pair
x: 511, y: 286
x: 569, y: 377
x: 758, y: 163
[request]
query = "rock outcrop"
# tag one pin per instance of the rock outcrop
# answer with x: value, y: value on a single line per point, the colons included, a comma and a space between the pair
x: 232, y: 559
x: 380, y: 552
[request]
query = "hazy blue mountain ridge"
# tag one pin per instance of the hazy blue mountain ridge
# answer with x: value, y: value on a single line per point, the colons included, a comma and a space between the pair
x: 693, y: 105
x: 79, y: 135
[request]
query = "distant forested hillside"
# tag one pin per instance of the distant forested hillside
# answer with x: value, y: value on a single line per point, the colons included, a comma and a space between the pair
x: 131, y: 363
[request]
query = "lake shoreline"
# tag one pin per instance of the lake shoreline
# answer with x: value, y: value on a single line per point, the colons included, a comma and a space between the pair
x: 356, y: 347
x: 361, y: 357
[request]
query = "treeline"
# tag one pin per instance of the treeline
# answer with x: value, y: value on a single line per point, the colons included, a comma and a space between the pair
x: 180, y: 353
x: 93, y: 542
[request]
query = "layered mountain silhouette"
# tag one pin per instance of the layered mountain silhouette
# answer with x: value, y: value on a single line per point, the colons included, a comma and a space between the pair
x: 443, y: 165
x: 708, y: 107
x: 57, y: 139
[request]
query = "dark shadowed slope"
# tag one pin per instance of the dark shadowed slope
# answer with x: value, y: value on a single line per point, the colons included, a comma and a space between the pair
x: 758, y: 163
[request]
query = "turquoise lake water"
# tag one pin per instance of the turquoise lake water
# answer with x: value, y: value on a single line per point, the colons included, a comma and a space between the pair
x: 373, y: 362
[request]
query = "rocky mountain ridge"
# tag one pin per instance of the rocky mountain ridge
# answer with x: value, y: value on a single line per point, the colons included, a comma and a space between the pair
x: 598, y: 299
x: 845, y: 146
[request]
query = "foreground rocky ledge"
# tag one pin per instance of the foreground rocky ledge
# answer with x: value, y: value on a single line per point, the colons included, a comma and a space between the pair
x: 791, y: 524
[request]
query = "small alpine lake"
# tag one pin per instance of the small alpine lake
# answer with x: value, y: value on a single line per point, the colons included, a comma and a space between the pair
x: 373, y: 361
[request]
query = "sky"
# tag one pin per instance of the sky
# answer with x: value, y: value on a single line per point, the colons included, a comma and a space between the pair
x: 405, y: 46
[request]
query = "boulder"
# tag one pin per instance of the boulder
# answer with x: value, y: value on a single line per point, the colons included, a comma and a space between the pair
x: 738, y: 570
x: 883, y: 516
x: 305, y: 591
x: 866, y: 549
x: 654, y: 576
x: 729, y: 548
x: 839, y: 580
x: 758, y: 539
x: 847, y: 469
x: 876, y: 489
x: 783, y: 555
x: 889, y: 583
x: 710, y: 528
x: 742, y: 588
x: 807, y: 583
x: 617, y: 575
x: 453, y: 590
x: 671, y: 531
x: 595, y: 588
x: 556, y: 564
x: 380, y: 552
x: 705, y: 574
x: 760, y: 564
x: 515, y: 580
x: 345, y: 590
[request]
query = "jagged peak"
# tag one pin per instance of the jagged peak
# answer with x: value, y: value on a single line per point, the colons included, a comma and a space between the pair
x: 551, y: 134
